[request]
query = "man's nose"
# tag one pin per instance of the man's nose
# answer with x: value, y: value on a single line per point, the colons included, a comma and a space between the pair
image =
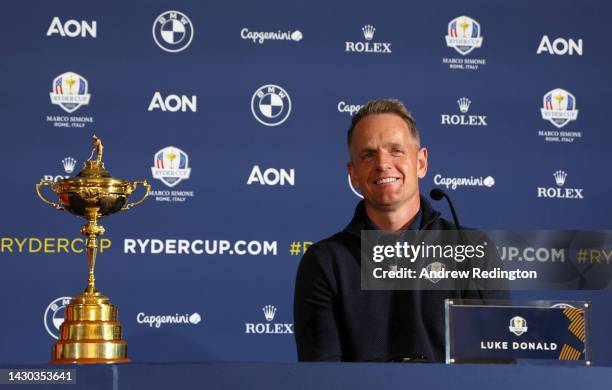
x: 383, y: 162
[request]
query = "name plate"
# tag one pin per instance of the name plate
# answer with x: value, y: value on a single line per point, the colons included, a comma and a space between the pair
x: 507, y: 332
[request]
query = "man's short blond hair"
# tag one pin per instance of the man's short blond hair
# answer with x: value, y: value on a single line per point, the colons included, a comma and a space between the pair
x: 385, y: 106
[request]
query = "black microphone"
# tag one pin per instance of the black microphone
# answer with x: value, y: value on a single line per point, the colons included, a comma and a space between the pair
x: 438, y: 194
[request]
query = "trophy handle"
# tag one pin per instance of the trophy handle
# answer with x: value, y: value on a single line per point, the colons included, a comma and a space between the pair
x: 135, y: 184
x: 49, y: 183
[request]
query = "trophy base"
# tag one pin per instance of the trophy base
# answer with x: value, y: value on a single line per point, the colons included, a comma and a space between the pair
x: 90, y: 333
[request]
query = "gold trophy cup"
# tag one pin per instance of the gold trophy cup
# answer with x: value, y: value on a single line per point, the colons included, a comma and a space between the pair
x: 91, y: 332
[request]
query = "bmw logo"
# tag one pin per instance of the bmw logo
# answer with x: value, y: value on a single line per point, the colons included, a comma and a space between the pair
x: 271, y: 105
x: 54, y: 315
x: 172, y: 31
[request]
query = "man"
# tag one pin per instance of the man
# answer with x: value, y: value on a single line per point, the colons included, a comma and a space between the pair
x: 335, y: 320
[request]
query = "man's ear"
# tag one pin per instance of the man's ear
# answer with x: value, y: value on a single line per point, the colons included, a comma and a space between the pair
x: 351, y: 172
x: 422, y: 163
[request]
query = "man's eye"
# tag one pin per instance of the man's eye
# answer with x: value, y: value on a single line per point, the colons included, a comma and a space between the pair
x: 398, y: 151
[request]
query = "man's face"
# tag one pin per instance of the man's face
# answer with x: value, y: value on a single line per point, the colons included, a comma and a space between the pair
x: 386, y: 162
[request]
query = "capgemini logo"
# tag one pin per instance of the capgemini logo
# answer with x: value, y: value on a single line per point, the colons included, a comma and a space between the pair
x: 560, y: 177
x: 489, y: 181
x: 297, y: 35
x: 368, y: 32
x: 464, y: 104
x: 157, y: 320
x: 269, y: 312
x: 69, y: 164
x: 195, y: 318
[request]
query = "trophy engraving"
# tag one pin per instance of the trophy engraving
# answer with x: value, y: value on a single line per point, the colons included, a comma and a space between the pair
x: 91, y: 332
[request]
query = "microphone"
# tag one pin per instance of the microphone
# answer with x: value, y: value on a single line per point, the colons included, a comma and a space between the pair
x: 438, y: 194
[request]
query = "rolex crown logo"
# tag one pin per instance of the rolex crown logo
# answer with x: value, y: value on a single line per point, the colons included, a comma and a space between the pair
x: 269, y: 312
x: 464, y: 104
x: 560, y: 177
x: 69, y: 164
x: 368, y: 32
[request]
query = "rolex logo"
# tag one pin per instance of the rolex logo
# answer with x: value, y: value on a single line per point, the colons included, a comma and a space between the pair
x: 368, y: 32
x: 69, y: 164
x: 269, y: 312
x: 368, y: 46
x: 268, y: 327
x: 464, y: 104
x: 560, y: 193
x: 560, y: 177
x: 462, y: 119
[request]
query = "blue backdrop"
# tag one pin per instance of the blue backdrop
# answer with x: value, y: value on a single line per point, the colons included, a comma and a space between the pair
x: 236, y: 112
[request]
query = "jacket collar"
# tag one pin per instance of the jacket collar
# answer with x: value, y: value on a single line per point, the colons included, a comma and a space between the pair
x: 358, y: 223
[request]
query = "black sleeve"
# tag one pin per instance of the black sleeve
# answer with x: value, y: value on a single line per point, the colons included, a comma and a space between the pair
x: 315, y: 308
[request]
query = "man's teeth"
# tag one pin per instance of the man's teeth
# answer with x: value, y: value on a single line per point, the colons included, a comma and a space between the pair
x: 386, y: 180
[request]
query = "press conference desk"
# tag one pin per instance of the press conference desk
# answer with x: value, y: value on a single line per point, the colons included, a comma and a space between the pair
x: 288, y: 376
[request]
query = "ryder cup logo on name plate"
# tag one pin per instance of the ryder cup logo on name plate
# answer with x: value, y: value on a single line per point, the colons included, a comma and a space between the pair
x: 464, y: 35
x: 69, y: 91
x: 433, y: 271
x: 559, y: 107
x: 54, y: 315
x: 172, y: 31
x: 271, y: 105
x: 171, y: 166
x: 518, y: 325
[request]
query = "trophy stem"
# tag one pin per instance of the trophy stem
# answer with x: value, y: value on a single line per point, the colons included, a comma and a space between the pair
x: 92, y: 230
x: 92, y: 251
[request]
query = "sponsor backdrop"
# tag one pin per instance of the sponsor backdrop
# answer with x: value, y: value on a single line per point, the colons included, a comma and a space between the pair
x: 236, y: 112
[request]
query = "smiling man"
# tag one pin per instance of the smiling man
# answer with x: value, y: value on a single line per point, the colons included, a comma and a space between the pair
x: 335, y: 320
x: 386, y: 161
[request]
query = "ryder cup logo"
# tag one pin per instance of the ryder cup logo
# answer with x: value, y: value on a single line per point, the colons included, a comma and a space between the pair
x: 271, y: 105
x: 559, y: 107
x: 434, y: 270
x: 518, y: 325
x: 69, y: 91
x: 463, y: 35
x: 171, y: 166
x: 172, y: 31
x: 54, y: 315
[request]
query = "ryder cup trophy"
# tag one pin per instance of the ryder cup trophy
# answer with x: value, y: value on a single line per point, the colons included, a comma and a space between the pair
x: 91, y: 332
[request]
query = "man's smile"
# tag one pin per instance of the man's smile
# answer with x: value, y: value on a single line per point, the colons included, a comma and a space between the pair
x: 386, y: 180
